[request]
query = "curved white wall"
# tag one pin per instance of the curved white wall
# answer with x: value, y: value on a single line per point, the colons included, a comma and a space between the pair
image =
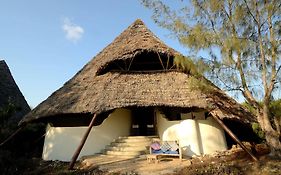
x: 189, y: 137
x: 212, y: 136
x: 61, y: 142
x: 196, y: 137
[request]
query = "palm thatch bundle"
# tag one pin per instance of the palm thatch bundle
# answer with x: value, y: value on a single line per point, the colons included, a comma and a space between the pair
x: 135, y: 70
x: 10, y: 94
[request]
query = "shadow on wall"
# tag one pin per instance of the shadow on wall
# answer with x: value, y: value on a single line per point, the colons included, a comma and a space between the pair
x: 61, y: 142
x: 171, y: 133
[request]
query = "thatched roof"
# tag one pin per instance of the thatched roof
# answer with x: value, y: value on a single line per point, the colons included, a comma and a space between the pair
x: 98, y: 89
x: 11, y: 94
x: 136, y: 39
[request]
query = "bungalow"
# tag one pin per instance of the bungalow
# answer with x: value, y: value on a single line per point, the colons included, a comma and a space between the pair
x: 133, y: 88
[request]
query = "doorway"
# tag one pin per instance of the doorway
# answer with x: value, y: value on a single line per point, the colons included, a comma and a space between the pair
x: 143, y: 122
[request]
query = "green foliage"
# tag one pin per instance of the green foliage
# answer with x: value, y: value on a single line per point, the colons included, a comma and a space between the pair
x: 275, y: 111
x: 227, y: 33
x: 240, y: 42
x: 258, y: 131
x: 275, y: 108
x: 185, y: 64
x: 14, y: 153
x: 197, y: 81
x: 249, y: 107
x: 199, y: 37
x: 7, y: 112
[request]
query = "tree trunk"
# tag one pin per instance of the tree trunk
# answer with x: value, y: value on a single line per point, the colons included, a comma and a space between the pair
x: 277, y: 123
x: 272, y: 136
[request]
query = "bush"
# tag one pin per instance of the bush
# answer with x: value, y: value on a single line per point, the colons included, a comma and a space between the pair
x: 16, y: 153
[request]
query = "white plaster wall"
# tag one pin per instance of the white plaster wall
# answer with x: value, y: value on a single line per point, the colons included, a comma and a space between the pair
x: 196, y: 136
x: 167, y: 130
x: 61, y: 142
x: 188, y: 137
x: 212, y: 136
x: 182, y: 130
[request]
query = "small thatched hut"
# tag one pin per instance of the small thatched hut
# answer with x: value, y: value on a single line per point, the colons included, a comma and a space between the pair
x: 135, y: 89
x: 10, y: 95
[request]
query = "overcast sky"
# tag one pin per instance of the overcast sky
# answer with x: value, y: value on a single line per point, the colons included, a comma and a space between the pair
x: 46, y: 42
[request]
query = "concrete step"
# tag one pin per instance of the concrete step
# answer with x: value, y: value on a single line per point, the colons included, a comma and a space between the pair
x: 134, y: 139
x: 127, y: 148
x: 137, y: 137
x: 129, y: 144
x: 124, y: 153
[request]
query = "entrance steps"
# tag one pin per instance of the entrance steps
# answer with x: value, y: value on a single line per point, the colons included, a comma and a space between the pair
x: 130, y: 146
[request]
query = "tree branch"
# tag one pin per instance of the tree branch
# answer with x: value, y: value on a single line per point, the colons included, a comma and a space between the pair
x: 246, y: 92
x: 249, y: 11
x: 210, y: 19
x: 262, y: 56
x: 273, y: 57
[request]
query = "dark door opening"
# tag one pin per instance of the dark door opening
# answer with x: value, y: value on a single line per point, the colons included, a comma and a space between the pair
x: 143, y: 122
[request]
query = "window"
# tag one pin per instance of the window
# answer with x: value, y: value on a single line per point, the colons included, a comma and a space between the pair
x: 145, y: 61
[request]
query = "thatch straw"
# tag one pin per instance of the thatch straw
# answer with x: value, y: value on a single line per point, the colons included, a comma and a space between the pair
x: 91, y: 91
x: 10, y: 94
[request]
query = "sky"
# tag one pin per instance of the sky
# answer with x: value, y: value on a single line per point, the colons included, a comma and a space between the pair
x: 45, y: 42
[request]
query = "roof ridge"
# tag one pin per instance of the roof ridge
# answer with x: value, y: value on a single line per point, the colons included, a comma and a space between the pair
x: 138, y: 22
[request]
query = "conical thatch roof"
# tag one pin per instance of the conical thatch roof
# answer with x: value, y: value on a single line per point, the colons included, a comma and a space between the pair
x: 136, y: 39
x: 98, y: 89
x: 10, y: 93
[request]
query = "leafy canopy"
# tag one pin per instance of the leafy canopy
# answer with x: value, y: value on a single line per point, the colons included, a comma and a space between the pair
x: 231, y: 37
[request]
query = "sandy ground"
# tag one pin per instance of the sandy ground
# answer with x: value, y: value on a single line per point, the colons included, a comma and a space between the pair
x: 113, y: 164
x: 233, y: 161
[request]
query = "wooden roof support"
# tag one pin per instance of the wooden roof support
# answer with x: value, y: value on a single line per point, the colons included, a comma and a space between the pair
x: 168, y: 61
x: 79, y: 148
x: 12, y: 135
x: 161, y: 61
x: 233, y: 136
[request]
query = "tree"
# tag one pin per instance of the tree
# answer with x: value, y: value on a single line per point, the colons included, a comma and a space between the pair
x: 240, y: 40
x: 275, y: 109
x: 6, y: 112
